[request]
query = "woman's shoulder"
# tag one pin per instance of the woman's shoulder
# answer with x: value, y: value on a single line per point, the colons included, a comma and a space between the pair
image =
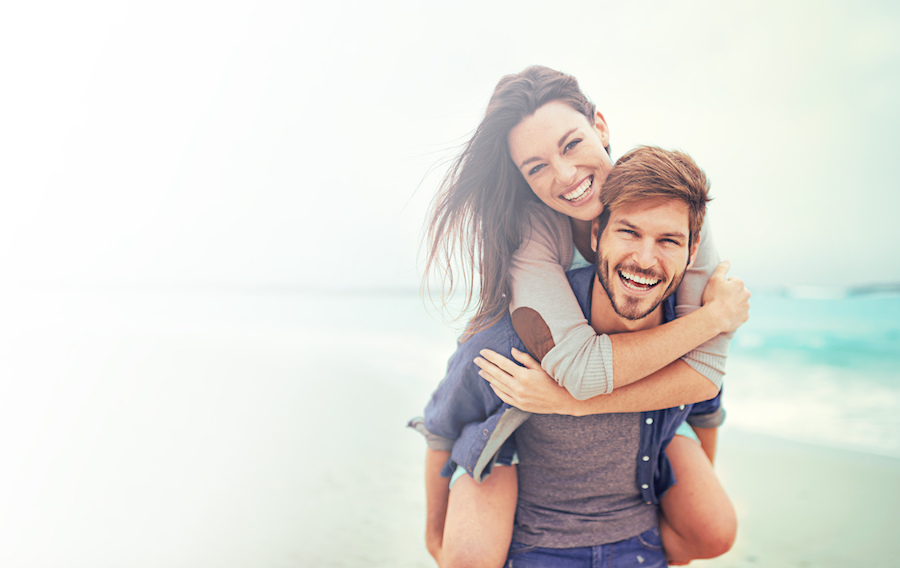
x: 535, y: 211
x: 540, y: 223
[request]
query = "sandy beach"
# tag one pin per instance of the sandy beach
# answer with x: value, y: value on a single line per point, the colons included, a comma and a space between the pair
x: 245, y: 430
x: 801, y: 505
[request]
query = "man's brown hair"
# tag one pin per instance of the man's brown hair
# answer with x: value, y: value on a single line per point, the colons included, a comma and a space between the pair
x: 649, y: 172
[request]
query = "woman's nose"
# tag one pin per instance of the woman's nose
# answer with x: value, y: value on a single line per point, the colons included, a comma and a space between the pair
x: 567, y: 173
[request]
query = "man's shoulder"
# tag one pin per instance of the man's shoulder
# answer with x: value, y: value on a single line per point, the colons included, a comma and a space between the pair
x: 580, y: 281
x: 668, y: 306
x: 494, y: 337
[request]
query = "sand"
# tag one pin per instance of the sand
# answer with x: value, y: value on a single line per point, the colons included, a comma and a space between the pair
x: 800, y: 505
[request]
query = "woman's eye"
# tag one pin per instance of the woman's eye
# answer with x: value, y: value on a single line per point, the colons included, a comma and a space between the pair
x: 571, y: 145
x: 536, y: 169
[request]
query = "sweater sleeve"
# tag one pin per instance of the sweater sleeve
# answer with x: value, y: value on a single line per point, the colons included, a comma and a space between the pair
x: 545, y: 312
x: 709, y: 358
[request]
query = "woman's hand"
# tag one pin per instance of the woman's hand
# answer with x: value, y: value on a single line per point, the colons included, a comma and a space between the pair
x: 728, y: 297
x: 527, y: 387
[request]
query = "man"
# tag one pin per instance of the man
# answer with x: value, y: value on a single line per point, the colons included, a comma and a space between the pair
x: 582, y: 493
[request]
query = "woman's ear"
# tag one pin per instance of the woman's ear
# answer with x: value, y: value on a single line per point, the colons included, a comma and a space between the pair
x: 602, y: 127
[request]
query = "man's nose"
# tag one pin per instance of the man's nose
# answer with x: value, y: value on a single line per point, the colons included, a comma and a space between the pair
x: 645, y: 253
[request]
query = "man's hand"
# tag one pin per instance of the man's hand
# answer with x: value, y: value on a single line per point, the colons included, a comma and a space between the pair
x: 527, y: 387
x: 728, y: 297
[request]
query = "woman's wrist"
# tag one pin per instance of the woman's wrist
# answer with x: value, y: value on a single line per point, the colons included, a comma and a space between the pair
x: 712, y: 318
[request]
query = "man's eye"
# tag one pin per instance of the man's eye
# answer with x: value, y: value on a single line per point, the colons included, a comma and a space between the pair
x: 671, y: 242
x: 536, y: 169
x: 571, y: 145
x: 627, y: 233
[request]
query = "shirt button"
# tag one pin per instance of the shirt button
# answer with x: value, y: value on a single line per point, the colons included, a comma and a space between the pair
x: 645, y: 458
x: 485, y: 432
x: 645, y: 486
x: 681, y: 407
x: 649, y: 503
x: 649, y: 421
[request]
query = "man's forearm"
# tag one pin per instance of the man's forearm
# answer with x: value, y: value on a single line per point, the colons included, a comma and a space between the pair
x: 671, y: 386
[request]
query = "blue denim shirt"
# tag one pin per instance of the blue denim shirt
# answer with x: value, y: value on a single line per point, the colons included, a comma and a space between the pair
x: 464, y: 413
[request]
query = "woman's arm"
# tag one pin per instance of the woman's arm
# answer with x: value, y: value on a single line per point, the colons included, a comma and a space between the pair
x: 532, y: 389
x: 550, y: 322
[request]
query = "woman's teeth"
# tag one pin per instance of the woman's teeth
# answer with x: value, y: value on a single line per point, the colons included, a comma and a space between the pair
x: 579, y: 191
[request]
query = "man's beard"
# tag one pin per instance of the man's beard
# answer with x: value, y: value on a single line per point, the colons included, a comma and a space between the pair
x: 630, y: 307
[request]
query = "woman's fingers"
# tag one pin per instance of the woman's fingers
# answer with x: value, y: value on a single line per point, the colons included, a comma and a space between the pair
x: 721, y: 270
x: 525, y: 359
x: 499, y: 360
x: 503, y: 395
x: 492, y: 373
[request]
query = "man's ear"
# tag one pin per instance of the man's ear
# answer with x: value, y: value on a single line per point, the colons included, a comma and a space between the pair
x: 602, y: 127
x: 595, y: 234
x: 693, y: 251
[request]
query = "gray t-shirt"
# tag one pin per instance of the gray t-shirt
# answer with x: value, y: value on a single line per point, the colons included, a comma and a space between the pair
x: 578, y: 481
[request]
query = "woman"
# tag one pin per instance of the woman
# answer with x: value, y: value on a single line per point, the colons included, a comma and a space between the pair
x: 517, y: 206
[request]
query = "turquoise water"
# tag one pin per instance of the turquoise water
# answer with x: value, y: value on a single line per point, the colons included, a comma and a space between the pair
x: 857, y: 333
x: 825, y: 371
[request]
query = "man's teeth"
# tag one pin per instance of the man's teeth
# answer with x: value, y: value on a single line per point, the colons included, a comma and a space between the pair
x: 640, y: 279
x: 579, y: 191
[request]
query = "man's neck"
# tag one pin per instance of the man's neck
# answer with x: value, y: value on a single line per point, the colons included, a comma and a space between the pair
x: 604, y: 318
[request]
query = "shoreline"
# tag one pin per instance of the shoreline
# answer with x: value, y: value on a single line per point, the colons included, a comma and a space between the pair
x: 800, y: 504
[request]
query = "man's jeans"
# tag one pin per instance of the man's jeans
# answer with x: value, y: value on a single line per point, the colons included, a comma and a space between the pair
x: 643, y: 551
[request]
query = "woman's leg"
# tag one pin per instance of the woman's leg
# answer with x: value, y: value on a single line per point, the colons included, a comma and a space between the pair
x: 479, y: 524
x: 697, y: 519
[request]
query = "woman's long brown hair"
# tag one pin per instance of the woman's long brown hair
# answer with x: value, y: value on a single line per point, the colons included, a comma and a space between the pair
x: 476, y: 215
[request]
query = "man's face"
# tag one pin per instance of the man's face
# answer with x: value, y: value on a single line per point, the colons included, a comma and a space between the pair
x: 643, y: 254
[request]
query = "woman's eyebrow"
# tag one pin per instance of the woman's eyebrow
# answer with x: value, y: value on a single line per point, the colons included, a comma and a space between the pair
x: 559, y: 144
x: 564, y: 136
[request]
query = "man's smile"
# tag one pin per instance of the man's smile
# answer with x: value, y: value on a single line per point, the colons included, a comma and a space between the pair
x: 636, y: 282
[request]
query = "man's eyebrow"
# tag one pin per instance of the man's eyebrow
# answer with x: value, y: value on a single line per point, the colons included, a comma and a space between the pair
x: 625, y: 223
x: 560, y: 143
x: 671, y: 234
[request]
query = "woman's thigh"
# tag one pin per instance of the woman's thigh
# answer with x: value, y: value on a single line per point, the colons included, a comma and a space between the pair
x: 697, y: 506
x: 480, y: 516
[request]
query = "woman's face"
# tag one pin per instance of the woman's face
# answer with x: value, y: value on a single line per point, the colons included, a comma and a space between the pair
x: 562, y: 157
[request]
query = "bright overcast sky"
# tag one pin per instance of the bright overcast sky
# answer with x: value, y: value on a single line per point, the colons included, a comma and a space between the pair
x: 285, y: 143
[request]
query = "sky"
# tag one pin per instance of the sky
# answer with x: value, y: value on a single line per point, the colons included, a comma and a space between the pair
x: 299, y: 144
